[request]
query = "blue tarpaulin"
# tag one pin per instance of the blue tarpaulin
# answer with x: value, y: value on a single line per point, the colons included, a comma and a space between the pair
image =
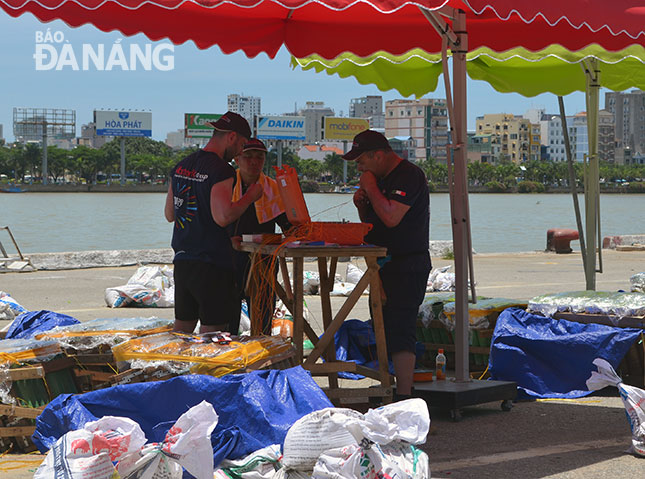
x: 552, y: 358
x: 355, y: 342
x: 27, y: 325
x: 255, y: 409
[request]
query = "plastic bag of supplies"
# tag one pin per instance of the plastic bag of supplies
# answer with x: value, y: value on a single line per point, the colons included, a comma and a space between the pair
x: 340, y: 443
x: 633, y: 399
x: 90, y: 452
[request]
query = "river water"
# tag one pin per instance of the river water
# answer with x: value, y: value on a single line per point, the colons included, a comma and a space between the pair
x: 52, y: 222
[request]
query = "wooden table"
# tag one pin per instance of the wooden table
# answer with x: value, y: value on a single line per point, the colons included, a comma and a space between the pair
x: 292, y: 297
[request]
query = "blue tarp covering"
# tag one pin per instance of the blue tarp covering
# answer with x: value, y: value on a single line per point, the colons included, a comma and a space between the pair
x: 27, y: 325
x: 255, y: 410
x: 355, y: 341
x: 552, y: 358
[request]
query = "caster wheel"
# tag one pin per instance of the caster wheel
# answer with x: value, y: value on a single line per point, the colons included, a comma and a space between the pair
x: 507, y: 405
x: 455, y: 415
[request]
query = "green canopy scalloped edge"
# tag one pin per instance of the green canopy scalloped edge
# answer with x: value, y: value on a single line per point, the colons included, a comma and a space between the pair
x: 552, y: 70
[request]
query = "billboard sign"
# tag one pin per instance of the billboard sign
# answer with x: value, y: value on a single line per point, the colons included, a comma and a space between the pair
x: 281, y: 128
x: 344, y: 128
x: 196, y: 124
x: 123, y: 123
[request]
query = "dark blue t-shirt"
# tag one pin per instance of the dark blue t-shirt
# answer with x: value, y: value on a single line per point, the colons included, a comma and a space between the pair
x: 406, y: 184
x: 196, y: 236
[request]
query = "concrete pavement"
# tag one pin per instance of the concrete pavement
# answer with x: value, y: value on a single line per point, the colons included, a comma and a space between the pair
x: 576, y: 439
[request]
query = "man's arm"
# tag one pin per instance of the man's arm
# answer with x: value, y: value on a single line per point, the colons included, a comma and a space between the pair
x: 389, y: 211
x: 361, y: 201
x: 224, y: 210
x: 283, y: 222
x: 169, y: 208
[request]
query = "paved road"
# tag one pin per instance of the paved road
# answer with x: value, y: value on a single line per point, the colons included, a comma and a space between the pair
x: 579, y: 439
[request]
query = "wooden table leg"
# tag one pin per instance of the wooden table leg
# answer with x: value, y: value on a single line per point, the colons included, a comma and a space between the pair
x: 328, y: 336
x: 326, y: 286
x: 298, y: 317
x: 377, y: 319
x: 285, y: 277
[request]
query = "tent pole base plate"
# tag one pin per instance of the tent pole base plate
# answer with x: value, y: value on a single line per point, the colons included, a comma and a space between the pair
x: 453, y: 395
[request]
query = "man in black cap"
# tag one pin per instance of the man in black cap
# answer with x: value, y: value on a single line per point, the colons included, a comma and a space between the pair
x: 260, y: 218
x: 394, y: 197
x: 199, y: 203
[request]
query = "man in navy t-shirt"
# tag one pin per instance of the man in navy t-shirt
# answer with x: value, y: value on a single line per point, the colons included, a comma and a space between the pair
x: 394, y: 198
x: 199, y: 203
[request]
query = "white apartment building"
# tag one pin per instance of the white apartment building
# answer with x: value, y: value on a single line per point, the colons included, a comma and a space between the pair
x: 425, y: 121
x: 580, y: 138
x: 247, y: 106
x: 555, y: 147
x: 314, y: 111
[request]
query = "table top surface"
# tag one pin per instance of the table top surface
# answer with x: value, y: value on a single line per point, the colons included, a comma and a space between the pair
x: 305, y: 250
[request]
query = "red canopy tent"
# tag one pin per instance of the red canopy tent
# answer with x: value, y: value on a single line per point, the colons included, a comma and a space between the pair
x: 331, y: 27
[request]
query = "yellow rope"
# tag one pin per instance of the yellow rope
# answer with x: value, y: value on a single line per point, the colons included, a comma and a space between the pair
x: 49, y: 393
x: 575, y: 401
x: 75, y: 358
x: 484, y: 373
x: 20, y: 464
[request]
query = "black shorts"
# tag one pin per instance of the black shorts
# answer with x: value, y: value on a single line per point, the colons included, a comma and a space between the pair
x: 404, y: 283
x: 206, y: 293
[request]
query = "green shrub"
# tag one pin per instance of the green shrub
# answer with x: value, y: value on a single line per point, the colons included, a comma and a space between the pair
x: 449, y: 255
x: 431, y: 187
x: 495, y: 187
x: 530, y: 187
x: 309, y: 186
x: 636, y: 187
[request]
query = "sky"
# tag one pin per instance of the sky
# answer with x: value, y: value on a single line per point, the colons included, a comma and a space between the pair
x: 199, y: 81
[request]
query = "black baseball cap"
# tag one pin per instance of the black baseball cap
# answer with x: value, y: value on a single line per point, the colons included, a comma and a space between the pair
x: 254, y: 144
x: 230, y: 121
x: 368, y: 140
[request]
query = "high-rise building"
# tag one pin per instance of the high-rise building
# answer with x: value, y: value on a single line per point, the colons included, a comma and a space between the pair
x: 176, y: 139
x: 579, y: 136
x: 516, y: 135
x: 556, y: 148
x: 425, y: 121
x: 90, y: 138
x: 606, y: 136
x: 247, y: 106
x: 314, y: 111
x: 1, y: 134
x: 540, y: 117
x: 535, y: 141
x: 366, y: 106
x: 628, y: 110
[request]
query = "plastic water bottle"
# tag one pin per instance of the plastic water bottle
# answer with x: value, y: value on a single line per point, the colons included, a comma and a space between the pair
x: 440, y: 363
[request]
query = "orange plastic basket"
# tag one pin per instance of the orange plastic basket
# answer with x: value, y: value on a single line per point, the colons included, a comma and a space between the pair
x: 341, y: 233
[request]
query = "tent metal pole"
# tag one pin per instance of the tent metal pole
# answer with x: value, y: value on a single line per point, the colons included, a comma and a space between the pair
x: 457, y: 39
x: 592, y: 180
x: 572, y: 184
x: 460, y: 214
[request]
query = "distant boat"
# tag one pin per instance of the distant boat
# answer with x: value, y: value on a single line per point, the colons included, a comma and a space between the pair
x: 11, y: 189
